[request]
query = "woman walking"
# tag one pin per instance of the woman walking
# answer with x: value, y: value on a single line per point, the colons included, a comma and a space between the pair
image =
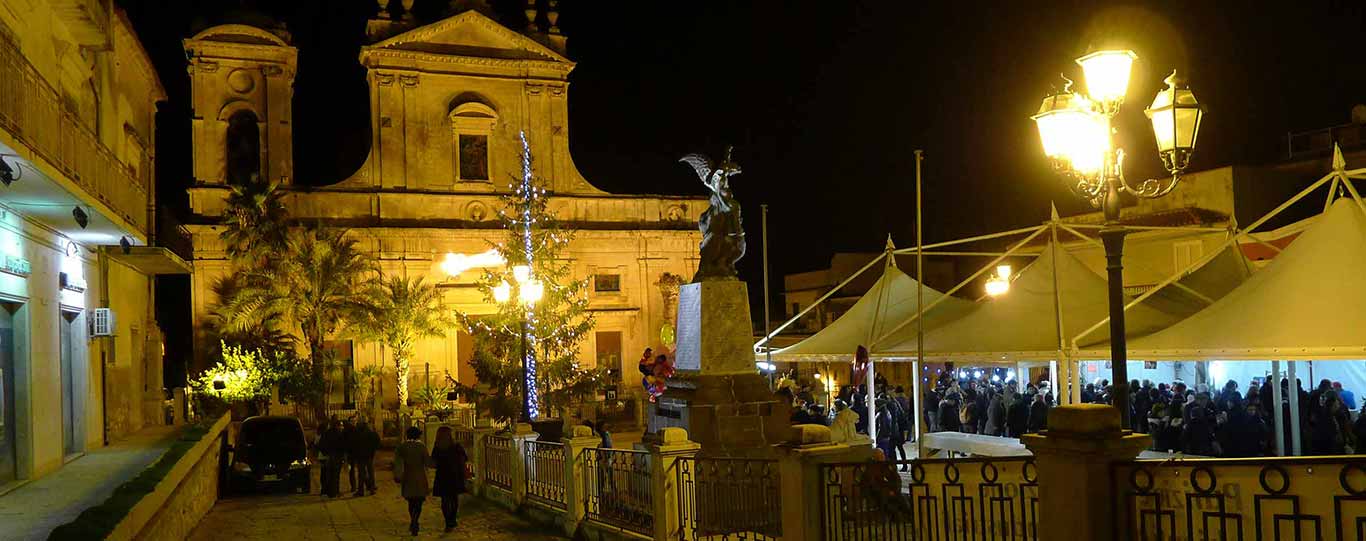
x: 410, y: 471
x: 450, y: 459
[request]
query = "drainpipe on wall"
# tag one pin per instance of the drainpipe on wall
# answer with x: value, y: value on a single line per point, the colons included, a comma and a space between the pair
x: 102, y: 261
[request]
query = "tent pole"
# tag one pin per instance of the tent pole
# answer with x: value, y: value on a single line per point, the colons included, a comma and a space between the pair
x: 1294, y: 410
x: 1057, y: 302
x: 763, y: 213
x: 919, y: 292
x: 827, y: 295
x: 1277, y: 416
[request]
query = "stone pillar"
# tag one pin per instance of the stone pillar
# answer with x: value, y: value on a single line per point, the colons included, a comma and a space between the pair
x: 672, y: 445
x: 477, y: 455
x: 1073, y: 458
x: 800, y: 477
x: 521, y: 435
x: 575, y: 487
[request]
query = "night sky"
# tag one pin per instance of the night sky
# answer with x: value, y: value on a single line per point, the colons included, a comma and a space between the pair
x: 825, y: 101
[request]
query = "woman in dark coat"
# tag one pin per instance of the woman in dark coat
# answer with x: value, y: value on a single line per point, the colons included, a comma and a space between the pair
x: 449, y: 458
x: 410, y: 472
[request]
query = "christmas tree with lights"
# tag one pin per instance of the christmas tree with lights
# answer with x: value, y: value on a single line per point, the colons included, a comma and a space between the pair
x: 541, y: 320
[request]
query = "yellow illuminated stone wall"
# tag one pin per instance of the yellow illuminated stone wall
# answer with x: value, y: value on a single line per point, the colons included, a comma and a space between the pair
x: 411, y: 202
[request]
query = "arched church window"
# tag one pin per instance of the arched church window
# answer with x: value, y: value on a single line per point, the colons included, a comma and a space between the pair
x: 472, y: 124
x: 243, y: 141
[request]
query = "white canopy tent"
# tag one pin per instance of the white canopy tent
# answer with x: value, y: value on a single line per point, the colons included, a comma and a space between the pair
x: 1308, y: 303
x: 892, y: 299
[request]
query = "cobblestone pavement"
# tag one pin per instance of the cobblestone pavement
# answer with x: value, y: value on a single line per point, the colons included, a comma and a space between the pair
x: 279, y: 516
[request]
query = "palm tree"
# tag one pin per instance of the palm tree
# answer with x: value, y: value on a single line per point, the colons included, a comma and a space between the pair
x: 403, y: 312
x: 318, y: 284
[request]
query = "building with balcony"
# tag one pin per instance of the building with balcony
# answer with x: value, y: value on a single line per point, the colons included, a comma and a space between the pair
x: 447, y: 102
x: 80, y: 349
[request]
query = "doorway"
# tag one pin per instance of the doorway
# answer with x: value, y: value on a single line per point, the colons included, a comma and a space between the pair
x: 9, y: 437
x: 73, y: 397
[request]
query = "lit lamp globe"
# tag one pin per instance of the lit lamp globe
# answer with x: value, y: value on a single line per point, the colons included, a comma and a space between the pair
x: 502, y: 292
x: 1176, y: 120
x: 531, y: 292
x: 1107, y: 76
x: 1073, y: 134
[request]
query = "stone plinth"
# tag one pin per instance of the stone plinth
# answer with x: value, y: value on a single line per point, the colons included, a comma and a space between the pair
x: 714, y: 333
x: 1073, y: 458
x: 718, y: 396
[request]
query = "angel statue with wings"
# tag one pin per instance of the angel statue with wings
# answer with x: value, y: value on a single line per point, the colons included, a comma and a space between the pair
x: 723, y: 237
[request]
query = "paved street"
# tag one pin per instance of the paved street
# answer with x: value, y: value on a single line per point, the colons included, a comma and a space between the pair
x: 280, y: 516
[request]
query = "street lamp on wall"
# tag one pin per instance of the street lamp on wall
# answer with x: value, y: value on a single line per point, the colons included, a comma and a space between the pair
x: 1077, y: 137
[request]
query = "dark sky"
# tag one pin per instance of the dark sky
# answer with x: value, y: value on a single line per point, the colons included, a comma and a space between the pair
x: 825, y: 101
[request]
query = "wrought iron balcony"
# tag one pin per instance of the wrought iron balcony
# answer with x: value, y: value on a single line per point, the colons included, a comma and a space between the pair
x: 32, y: 112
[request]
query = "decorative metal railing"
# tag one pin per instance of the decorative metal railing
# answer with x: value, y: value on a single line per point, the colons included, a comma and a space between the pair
x: 958, y: 499
x: 544, y: 463
x: 728, y: 499
x: 1291, y: 498
x: 617, y: 484
x: 33, y: 112
x: 498, y: 462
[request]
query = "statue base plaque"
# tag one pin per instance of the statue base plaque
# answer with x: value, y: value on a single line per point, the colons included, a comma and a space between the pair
x: 718, y: 395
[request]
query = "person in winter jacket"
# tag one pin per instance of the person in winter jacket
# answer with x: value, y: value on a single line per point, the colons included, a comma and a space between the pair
x: 1038, y: 414
x: 360, y: 451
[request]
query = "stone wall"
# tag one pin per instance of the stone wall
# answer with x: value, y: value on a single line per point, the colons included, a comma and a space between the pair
x: 183, y: 497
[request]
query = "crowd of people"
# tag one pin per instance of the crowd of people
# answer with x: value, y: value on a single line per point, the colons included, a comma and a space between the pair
x: 1225, y: 421
x: 1228, y: 422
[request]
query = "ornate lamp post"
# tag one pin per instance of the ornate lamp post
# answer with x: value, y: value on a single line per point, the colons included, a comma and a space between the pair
x: 529, y: 291
x: 1076, y: 134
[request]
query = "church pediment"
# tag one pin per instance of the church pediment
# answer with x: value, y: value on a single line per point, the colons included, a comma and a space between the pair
x: 469, y: 34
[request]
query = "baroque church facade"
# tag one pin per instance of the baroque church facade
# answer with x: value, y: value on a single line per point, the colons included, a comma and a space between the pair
x: 447, y: 102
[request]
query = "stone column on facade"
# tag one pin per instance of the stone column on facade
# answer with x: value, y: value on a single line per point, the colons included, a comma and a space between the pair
x: 800, y: 477
x: 477, y: 455
x: 178, y: 406
x: 671, y: 445
x: 521, y: 434
x: 1073, y: 459
x: 575, y: 487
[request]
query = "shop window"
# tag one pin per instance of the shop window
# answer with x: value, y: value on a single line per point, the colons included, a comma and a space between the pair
x: 607, y: 283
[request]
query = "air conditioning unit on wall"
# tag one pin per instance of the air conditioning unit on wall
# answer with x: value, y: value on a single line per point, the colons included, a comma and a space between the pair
x: 101, y: 322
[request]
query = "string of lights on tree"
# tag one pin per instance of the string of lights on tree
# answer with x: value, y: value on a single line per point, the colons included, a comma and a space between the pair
x: 526, y: 190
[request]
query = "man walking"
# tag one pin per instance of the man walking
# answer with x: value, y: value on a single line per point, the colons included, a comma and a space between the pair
x: 361, y: 449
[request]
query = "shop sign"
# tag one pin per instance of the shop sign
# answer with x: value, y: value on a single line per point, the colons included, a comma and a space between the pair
x: 15, y: 265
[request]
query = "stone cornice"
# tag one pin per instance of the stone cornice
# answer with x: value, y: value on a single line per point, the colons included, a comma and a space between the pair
x: 450, y: 59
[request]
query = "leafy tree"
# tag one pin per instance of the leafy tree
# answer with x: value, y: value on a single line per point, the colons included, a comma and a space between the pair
x: 403, y: 311
x: 246, y: 375
x: 554, y: 327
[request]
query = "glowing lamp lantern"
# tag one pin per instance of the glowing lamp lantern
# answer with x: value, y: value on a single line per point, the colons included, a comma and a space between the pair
x: 1073, y: 132
x: 502, y: 292
x: 1003, y: 271
x: 1107, y: 75
x: 531, y: 292
x: 521, y: 273
x: 1176, y: 122
x: 997, y: 287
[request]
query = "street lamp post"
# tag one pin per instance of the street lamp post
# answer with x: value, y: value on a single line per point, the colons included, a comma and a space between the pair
x: 1077, y: 137
x: 529, y: 292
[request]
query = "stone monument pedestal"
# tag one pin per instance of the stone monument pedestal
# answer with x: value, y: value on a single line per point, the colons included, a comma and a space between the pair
x: 717, y: 394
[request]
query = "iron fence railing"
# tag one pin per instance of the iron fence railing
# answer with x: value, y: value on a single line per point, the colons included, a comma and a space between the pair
x: 728, y: 499
x: 34, y: 113
x: 617, y: 483
x: 498, y: 462
x: 544, y: 463
x: 1288, y: 498
x: 972, y: 498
